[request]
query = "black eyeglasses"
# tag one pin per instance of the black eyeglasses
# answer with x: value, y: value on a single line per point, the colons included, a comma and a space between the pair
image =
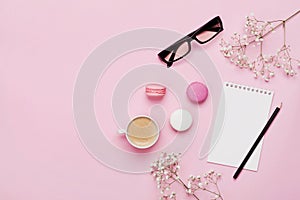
x: 183, y: 46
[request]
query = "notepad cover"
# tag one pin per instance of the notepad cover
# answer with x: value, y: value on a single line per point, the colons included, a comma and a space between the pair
x: 246, y: 113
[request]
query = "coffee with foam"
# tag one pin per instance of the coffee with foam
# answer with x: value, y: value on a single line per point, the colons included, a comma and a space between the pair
x: 142, y: 132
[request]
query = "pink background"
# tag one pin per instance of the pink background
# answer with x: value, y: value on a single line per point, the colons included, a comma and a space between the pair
x: 42, y: 47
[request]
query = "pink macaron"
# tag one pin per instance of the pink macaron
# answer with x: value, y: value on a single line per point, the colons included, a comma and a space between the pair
x: 197, y: 92
x: 155, y: 90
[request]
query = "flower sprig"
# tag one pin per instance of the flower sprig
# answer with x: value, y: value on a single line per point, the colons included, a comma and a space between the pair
x: 205, y: 183
x: 263, y: 65
x: 165, y: 171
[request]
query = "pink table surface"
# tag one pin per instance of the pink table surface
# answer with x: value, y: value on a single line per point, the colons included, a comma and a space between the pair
x: 42, y: 47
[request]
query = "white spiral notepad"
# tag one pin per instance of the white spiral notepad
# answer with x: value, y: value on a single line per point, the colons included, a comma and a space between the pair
x: 246, y: 113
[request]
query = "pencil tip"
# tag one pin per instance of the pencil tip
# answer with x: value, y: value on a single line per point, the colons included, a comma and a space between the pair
x: 280, y: 105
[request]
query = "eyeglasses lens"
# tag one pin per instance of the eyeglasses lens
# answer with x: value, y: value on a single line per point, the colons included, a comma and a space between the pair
x: 209, y: 33
x: 181, y: 51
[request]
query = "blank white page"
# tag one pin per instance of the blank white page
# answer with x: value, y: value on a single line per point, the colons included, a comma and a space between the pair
x: 246, y: 113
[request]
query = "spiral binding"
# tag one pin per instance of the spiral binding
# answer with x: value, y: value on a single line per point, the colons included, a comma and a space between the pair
x: 247, y: 88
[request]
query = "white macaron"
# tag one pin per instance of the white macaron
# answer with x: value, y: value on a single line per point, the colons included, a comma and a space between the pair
x: 181, y: 120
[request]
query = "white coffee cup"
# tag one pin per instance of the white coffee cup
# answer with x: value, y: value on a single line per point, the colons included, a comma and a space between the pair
x: 141, y: 132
